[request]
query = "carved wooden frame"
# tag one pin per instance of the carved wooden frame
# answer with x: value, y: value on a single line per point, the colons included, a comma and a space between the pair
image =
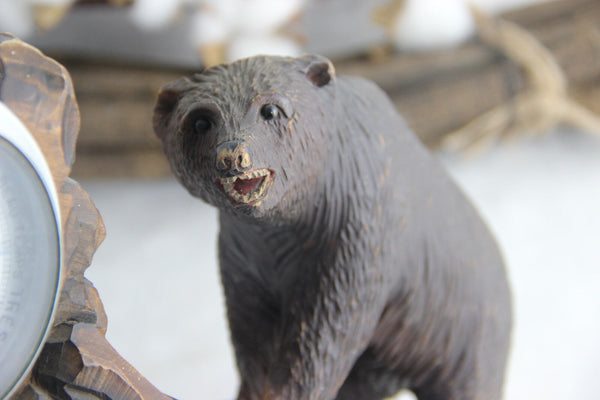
x: 76, y: 362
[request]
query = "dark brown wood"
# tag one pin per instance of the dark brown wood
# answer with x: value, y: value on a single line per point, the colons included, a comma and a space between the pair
x: 76, y: 362
x: 544, y: 103
x: 443, y: 91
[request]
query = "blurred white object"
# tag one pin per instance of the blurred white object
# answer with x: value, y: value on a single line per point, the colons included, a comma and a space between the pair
x: 209, y: 27
x: 18, y: 16
x: 431, y: 24
x: 426, y: 25
x: 244, y: 28
x: 225, y: 30
x: 250, y: 45
x: 154, y: 14
x: 265, y: 16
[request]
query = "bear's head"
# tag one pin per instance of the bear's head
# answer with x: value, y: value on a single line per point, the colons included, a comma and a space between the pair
x: 251, y: 137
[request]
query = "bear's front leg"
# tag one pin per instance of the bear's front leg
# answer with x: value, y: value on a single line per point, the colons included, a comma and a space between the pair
x: 328, y: 325
x: 302, y: 343
x: 253, y: 315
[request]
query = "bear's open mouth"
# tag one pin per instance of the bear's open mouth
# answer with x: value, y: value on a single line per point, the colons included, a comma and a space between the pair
x: 248, y: 188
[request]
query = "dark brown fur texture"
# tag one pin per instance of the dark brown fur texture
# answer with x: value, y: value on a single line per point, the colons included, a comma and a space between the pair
x: 352, y: 265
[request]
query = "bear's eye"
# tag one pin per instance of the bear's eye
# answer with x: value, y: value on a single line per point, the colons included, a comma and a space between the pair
x: 269, y: 112
x: 198, y: 121
x: 202, y: 125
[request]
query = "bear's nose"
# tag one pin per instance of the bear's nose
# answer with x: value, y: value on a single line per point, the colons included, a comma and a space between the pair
x: 232, y: 157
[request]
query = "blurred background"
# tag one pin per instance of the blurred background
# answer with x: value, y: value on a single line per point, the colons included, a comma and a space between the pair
x: 510, y: 105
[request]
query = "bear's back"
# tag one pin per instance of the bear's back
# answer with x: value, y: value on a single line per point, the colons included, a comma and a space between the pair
x: 426, y: 205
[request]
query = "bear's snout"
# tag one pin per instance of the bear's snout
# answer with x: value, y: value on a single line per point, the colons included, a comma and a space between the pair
x: 233, y: 158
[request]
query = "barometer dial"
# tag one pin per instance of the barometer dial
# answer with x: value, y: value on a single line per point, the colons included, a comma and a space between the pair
x: 30, y: 247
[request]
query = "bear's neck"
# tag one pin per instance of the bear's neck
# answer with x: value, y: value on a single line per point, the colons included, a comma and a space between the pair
x: 350, y: 191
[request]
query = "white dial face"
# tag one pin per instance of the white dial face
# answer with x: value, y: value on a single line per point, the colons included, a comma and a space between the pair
x: 29, y: 263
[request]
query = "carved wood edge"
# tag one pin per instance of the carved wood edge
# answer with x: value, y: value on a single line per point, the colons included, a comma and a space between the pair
x: 76, y: 362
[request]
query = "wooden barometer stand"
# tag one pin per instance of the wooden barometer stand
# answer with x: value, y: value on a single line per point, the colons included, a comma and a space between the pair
x: 76, y: 361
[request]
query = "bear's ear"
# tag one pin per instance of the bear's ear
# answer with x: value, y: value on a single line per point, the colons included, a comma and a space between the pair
x: 168, y: 97
x: 318, y: 69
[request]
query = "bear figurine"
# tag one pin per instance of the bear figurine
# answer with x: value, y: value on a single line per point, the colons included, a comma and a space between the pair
x: 352, y: 265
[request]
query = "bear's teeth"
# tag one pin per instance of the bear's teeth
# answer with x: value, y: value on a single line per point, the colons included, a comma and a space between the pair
x: 229, y: 186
